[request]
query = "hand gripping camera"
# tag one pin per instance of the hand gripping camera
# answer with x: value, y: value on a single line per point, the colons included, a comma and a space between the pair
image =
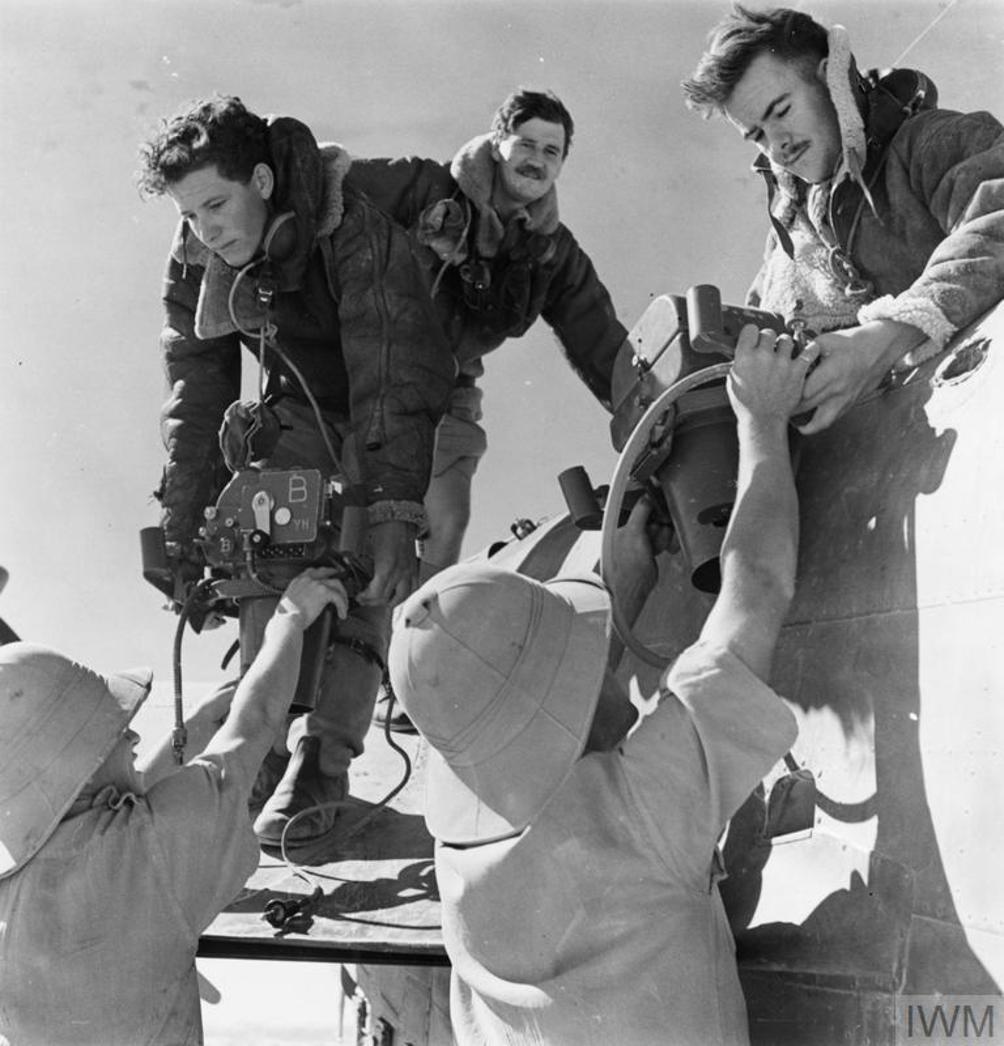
x: 266, y: 526
x: 690, y: 456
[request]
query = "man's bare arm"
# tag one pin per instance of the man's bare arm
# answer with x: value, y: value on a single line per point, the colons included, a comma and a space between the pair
x: 760, y: 549
x: 263, y: 695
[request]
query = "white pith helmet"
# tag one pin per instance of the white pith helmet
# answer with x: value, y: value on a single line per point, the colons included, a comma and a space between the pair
x: 501, y: 674
x: 59, y: 721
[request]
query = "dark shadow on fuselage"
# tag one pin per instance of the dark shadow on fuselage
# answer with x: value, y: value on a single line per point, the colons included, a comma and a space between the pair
x: 851, y: 646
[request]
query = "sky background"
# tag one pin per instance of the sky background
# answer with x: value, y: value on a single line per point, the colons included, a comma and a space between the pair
x: 659, y: 198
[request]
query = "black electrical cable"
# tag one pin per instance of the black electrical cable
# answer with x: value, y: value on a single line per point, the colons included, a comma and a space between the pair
x: 179, y: 735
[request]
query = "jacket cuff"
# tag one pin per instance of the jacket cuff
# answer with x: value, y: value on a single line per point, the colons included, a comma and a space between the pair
x: 406, y: 511
x: 920, y: 312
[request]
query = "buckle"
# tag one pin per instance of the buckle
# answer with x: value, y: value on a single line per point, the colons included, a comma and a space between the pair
x: 843, y: 270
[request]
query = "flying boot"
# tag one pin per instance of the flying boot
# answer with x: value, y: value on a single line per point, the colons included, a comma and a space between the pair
x: 324, y: 741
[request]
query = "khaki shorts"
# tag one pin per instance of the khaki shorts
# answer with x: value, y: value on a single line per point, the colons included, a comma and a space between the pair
x: 460, y: 441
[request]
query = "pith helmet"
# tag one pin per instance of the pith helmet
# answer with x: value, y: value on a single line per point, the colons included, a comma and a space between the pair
x: 501, y: 674
x: 58, y: 723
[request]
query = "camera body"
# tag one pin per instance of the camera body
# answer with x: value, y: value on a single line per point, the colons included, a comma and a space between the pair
x: 269, y: 524
x: 691, y: 456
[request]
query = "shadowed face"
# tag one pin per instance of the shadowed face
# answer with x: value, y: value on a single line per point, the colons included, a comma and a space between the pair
x: 785, y: 110
x: 119, y: 768
x: 229, y: 217
x: 530, y: 159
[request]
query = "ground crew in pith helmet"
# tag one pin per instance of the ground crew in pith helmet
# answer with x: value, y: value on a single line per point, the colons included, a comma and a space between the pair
x: 107, y: 878
x: 576, y: 855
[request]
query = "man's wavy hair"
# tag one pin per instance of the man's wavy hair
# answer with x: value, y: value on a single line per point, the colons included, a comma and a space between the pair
x: 217, y: 130
x: 523, y: 105
x: 742, y: 36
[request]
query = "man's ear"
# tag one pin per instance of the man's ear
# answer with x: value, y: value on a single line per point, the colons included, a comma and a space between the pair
x: 821, y: 69
x: 263, y: 180
x: 496, y: 155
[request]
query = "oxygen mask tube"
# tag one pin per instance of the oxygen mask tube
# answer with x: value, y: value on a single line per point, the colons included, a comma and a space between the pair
x: 295, y: 916
x: 266, y: 333
x: 265, y: 336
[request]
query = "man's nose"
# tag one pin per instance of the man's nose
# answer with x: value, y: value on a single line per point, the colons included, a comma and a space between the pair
x: 782, y: 145
x: 207, y: 231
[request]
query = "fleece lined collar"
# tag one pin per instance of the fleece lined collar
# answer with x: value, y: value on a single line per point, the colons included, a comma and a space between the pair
x: 846, y: 92
x: 475, y: 171
x: 870, y: 109
x: 309, y: 185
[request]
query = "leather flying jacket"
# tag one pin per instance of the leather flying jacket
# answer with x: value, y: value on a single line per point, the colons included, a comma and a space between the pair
x: 351, y: 311
x: 492, y: 281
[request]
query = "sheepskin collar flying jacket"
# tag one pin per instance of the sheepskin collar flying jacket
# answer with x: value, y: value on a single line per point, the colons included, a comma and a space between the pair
x: 308, y: 195
x: 476, y: 173
x: 870, y: 112
x: 492, y: 280
x: 350, y: 310
x: 466, y: 226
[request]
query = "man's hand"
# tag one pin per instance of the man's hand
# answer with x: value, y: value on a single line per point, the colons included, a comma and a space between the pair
x: 263, y: 696
x: 309, y: 593
x: 187, y: 565
x: 395, y: 565
x: 852, y: 362
x: 634, y: 574
x: 766, y: 383
x: 760, y: 547
x: 186, y: 562
x: 636, y: 544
